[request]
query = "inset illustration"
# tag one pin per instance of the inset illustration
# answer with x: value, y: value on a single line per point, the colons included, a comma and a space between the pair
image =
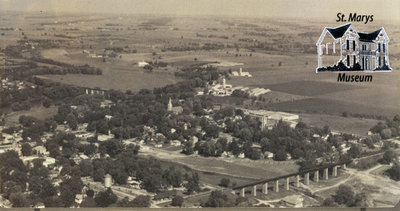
x: 345, y: 49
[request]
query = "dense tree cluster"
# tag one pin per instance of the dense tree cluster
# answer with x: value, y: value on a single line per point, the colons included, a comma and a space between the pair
x: 394, y: 172
x: 177, y: 201
x: 218, y: 198
x: 346, y: 196
x: 13, y: 177
x: 389, y: 156
x: 105, y: 198
x: 33, y: 129
x: 388, y: 129
x: 40, y: 187
x: 24, y: 99
x: 139, y: 201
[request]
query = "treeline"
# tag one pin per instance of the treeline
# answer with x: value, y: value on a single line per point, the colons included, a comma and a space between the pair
x: 198, y: 47
x: 346, y: 196
x: 211, y: 36
x: 368, y: 116
x: 394, y: 172
x: 45, y: 92
x: 388, y: 129
x: 30, y: 69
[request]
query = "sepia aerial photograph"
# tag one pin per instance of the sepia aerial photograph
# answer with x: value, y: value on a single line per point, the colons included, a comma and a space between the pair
x: 199, y: 104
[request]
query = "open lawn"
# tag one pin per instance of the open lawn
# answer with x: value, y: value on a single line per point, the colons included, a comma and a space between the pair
x: 38, y: 112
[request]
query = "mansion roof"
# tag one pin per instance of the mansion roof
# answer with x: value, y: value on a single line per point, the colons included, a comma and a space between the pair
x: 370, y: 36
x: 338, y: 31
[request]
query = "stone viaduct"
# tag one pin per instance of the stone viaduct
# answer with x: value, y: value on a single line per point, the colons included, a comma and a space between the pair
x: 93, y: 91
x: 305, y: 175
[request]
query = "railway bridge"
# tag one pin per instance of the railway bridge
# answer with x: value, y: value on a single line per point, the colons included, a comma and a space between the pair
x: 93, y: 91
x: 296, y: 177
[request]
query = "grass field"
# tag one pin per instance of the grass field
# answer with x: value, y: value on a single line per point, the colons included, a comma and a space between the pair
x: 358, y: 126
x: 213, y: 169
x: 329, y: 106
x: 117, y: 75
x: 309, y: 88
x: 38, y: 112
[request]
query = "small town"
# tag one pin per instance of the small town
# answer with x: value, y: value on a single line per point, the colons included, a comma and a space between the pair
x: 160, y: 112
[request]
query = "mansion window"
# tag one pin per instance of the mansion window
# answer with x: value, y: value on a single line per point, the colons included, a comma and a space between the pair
x: 364, y: 47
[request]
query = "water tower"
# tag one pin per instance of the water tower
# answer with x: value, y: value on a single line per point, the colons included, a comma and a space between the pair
x: 107, y: 180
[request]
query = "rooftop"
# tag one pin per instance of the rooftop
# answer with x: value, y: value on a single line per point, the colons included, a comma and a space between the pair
x: 338, y: 31
x: 370, y: 36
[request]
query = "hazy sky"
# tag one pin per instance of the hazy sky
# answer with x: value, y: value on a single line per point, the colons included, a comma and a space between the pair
x: 387, y: 9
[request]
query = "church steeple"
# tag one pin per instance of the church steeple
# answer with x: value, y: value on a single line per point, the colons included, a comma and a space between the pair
x: 169, y: 105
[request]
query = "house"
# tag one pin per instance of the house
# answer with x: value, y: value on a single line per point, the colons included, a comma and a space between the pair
x: 194, y: 139
x: 293, y: 201
x: 367, y: 51
x: 40, y: 150
x: 78, y: 198
x: 49, y: 162
x: 142, y: 64
x: 39, y: 205
x: 224, y: 154
x: 106, y: 104
x: 268, y: 155
x: 241, y: 73
x: 176, y: 143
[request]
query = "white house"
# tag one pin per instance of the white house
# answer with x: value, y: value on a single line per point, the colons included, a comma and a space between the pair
x: 344, y: 43
x: 142, y: 64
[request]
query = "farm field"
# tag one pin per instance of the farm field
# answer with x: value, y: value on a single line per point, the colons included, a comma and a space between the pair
x: 354, y: 125
x: 116, y: 75
x: 295, y: 86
